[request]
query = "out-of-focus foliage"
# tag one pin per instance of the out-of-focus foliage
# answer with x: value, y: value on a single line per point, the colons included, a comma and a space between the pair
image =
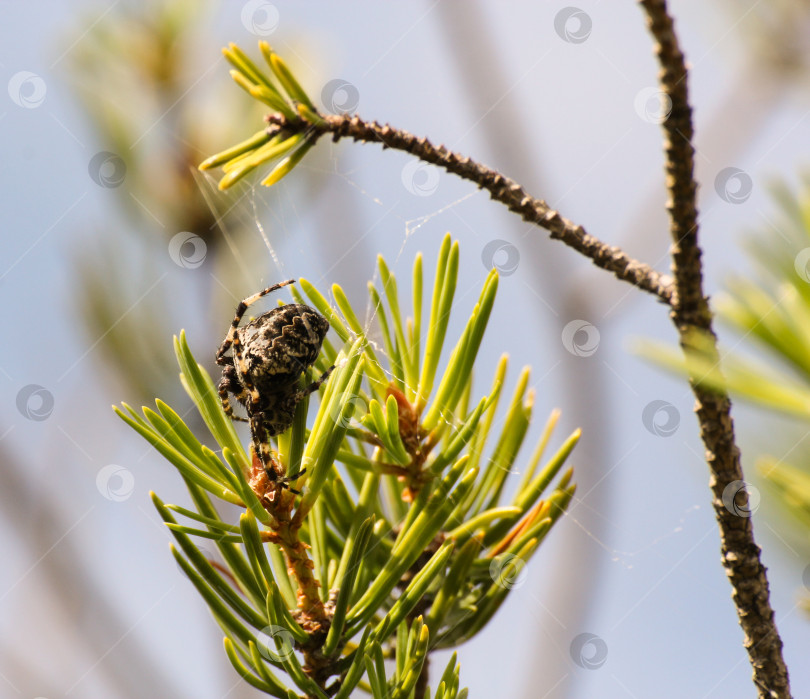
x: 776, y: 33
x: 138, y: 76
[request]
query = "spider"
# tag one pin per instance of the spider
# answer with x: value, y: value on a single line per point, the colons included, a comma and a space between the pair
x: 268, y: 356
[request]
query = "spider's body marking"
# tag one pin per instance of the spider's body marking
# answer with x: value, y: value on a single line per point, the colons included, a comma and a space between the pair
x: 281, y: 344
x: 268, y: 356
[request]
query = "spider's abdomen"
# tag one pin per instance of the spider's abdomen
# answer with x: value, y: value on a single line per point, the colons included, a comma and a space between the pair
x: 268, y: 356
x: 281, y: 344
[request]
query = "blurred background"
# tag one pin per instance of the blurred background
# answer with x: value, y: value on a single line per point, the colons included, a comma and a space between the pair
x: 113, y: 243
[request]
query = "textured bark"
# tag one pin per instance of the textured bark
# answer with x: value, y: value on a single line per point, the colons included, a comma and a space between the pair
x: 500, y: 188
x: 691, y: 315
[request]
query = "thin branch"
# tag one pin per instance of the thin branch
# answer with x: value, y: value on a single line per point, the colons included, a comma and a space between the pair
x: 691, y: 314
x: 500, y: 188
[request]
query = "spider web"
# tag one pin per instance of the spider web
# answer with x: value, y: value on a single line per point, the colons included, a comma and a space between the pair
x: 273, y: 222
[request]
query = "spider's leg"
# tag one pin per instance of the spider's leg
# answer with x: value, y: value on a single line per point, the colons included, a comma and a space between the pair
x: 261, y: 445
x: 248, y: 393
x: 240, y: 311
x: 229, y: 383
x: 315, y: 385
x: 226, y: 404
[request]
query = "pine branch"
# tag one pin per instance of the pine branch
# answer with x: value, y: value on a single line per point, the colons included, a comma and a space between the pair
x: 295, y: 127
x: 510, y: 194
x: 323, y: 587
x: 691, y: 315
x: 501, y: 189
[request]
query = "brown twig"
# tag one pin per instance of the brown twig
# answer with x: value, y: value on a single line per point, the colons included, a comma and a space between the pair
x: 500, y: 188
x: 279, y: 502
x: 311, y: 614
x: 691, y: 314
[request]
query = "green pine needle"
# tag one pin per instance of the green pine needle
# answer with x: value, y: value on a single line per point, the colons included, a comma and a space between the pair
x: 401, y: 505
